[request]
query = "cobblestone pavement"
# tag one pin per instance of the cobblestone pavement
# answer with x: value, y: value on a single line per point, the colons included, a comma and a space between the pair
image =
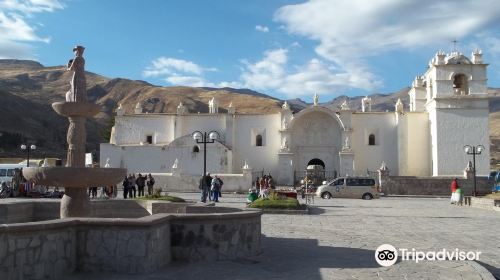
x: 339, y: 239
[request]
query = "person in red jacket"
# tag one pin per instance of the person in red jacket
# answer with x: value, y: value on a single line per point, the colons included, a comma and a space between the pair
x: 454, y: 186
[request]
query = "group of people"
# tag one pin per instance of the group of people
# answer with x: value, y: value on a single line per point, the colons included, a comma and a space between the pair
x: 210, y: 187
x: 131, y: 185
x: 457, y: 194
x: 264, y: 185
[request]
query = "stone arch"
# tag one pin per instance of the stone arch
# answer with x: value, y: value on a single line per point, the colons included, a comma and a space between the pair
x: 460, y: 84
x: 316, y: 161
x: 316, y: 109
x: 316, y: 133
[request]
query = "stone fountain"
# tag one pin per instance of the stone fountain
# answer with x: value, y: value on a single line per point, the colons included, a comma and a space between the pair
x: 75, y: 177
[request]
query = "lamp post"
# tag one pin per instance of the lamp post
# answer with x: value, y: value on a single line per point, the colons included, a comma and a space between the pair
x: 28, y: 148
x: 204, y: 138
x: 474, y: 150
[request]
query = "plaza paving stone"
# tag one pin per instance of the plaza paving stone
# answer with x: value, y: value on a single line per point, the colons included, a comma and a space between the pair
x: 339, y: 238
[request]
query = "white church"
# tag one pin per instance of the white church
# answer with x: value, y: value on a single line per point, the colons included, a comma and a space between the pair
x: 448, y: 109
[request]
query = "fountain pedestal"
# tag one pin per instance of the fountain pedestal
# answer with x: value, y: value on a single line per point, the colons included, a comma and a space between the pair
x: 75, y: 177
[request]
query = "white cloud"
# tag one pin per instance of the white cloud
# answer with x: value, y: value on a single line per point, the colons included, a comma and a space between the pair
x: 488, y: 42
x: 16, y: 31
x: 191, y: 81
x: 316, y: 76
x: 349, y: 32
x: 262, y: 28
x: 267, y: 73
x: 178, y: 72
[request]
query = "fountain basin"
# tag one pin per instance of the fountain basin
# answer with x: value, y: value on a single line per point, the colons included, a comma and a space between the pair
x: 74, y: 177
x: 76, y: 109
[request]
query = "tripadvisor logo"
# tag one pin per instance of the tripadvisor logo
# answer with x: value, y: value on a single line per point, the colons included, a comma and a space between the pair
x: 387, y: 255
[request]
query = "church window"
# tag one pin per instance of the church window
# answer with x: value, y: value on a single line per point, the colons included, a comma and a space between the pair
x: 196, y: 149
x: 371, y: 140
x: 258, y: 140
x: 460, y: 86
x: 149, y: 139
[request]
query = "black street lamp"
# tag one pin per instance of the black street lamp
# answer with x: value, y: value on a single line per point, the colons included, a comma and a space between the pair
x: 28, y: 148
x: 474, y: 150
x: 204, y: 138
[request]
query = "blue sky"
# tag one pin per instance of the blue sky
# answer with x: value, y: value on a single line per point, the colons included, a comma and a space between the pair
x: 286, y: 49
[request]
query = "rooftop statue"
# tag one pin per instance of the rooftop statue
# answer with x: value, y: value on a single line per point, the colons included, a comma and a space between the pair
x: 78, y: 90
x: 344, y: 106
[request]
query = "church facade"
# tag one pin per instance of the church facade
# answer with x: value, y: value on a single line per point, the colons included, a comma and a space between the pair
x: 448, y: 109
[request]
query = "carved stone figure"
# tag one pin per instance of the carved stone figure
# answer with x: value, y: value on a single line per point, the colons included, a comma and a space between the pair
x: 345, y: 106
x: 285, y: 106
x: 78, y: 90
x: 399, y: 106
x: 315, y: 99
x: 284, y: 146
x: 284, y: 124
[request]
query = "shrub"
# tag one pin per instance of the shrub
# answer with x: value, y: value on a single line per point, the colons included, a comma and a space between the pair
x: 157, y: 192
x: 274, y: 202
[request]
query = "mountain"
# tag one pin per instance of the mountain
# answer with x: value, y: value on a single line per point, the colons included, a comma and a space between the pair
x: 27, y: 90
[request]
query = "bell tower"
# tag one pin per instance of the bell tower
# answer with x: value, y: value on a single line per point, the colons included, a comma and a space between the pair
x: 457, y: 103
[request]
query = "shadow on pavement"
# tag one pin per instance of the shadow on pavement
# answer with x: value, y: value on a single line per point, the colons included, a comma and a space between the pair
x: 493, y: 270
x: 282, y: 258
x: 313, y: 210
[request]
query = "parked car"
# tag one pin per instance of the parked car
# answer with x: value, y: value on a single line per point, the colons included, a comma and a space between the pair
x: 7, y: 172
x: 349, y: 187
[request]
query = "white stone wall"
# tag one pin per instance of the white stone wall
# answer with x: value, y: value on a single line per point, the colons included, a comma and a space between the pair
x: 203, y: 123
x: 259, y: 158
x: 190, y: 183
x: 414, y: 154
x: 383, y: 126
x: 453, y: 129
x: 133, y: 129
x: 155, y: 158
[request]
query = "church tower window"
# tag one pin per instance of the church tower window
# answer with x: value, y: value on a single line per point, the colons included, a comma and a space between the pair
x: 258, y: 140
x: 196, y: 149
x: 371, y: 140
x: 460, y: 85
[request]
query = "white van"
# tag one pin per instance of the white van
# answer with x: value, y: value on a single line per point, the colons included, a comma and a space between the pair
x: 7, y: 171
x: 349, y: 187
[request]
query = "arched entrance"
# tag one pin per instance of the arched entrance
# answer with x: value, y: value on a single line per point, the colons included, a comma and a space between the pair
x: 316, y: 161
x: 316, y: 138
x: 315, y: 135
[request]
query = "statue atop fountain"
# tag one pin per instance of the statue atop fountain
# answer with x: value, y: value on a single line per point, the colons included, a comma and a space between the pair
x: 75, y: 177
x: 78, y: 90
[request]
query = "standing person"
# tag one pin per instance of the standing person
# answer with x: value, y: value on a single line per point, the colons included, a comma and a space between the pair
x: 134, y: 184
x: 454, y: 186
x: 262, y: 181
x: 141, y: 183
x: 150, y: 183
x: 203, y: 188
x: 208, y: 183
x: 215, y: 188
x: 94, y: 192
x: 459, y: 194
x: 220, y: 186
x: 271, y: 182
